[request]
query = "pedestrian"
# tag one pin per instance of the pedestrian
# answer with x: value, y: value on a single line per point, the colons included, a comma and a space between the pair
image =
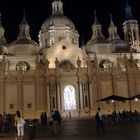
x: 32, y: 129
x: 56, y: 121
x: 69, y: 115
x: 19, y: 123
x: 50, y: 118
x: 99, y: 121
x: 45, y: 117
x: 42, y: 119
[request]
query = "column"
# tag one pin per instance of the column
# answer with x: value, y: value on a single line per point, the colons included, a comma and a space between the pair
x: 132, y: 39
x: 2, y: 95
x: 79, y: 97
x: 20, y: 95
x: 131, y: 87
x: 89, y: 102
x: 59, y: 97
x: 38, y: 95
x: 91, y: 91
x: 114, y: 89
x: 48, y: 97
x: 45, y: 108
x: 99, y: 96
x: 2, y: 85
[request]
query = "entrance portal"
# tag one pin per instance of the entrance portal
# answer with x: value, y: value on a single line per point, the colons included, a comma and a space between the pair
x: 69, y: 98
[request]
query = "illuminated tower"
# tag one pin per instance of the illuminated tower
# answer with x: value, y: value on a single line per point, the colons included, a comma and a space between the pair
x: 131, y: 30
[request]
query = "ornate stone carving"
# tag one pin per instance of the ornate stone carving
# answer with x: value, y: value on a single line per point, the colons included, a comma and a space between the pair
x: 67, y: 66
x: 56, y: 63
x: 78, y: 62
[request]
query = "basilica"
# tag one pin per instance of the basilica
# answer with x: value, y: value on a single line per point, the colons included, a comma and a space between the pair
x: 58, y: 74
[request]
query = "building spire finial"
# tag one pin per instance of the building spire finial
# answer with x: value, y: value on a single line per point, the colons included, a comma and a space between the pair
x: 95, y: 17
x: 111, y: 19
x: 128, y: 11
x: 24, y: 16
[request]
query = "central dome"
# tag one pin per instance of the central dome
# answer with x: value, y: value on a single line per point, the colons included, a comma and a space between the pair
x: 57, y: 27
x: 57, y: 20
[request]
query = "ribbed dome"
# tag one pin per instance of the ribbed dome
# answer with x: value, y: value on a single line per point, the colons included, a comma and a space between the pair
x: 57, y: 20
x: 23, y: 47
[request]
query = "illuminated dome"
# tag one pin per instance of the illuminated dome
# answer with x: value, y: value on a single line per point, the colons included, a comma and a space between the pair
x: 57, y: 19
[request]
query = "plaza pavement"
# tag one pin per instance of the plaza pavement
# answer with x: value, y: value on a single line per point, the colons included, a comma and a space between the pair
x: 84, y: 129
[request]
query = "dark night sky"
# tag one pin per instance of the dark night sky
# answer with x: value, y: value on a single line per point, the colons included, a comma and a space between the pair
x: 81, y: 12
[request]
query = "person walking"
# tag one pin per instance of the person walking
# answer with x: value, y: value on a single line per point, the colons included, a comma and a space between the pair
x: 19, y: 123
x: 56, y: 121
x: 99, y: 121
x: 50, y: 118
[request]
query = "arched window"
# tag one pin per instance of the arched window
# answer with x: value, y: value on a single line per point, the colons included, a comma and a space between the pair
x: 105, y: 63
x: 69, y: 98
x: 23, y: 65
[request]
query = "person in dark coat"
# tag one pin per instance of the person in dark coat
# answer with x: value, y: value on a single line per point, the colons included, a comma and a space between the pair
x: 99, y: 121
x: 56, y: 121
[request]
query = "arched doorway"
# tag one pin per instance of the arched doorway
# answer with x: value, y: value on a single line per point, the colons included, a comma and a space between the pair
x: 69, y: 98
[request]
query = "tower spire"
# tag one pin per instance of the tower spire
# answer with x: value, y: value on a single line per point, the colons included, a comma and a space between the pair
x: 112, y: 30
x: 95, y: 18
x: 131, y: 30
x: 96, y: 29
x: 128, y: 11
x: 24, y: 27
x: 111, y: 20
x: 24, y: 16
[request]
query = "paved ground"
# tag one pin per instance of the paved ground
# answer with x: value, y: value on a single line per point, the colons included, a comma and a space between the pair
x: 84, y: 129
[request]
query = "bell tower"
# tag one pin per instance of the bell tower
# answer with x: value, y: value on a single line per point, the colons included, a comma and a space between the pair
x: 131, y: 30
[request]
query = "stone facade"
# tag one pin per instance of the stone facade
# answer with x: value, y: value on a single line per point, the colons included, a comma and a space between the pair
x: 37, y: 78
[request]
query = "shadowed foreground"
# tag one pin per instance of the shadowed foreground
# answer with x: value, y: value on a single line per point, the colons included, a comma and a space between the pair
x: 82, y: 129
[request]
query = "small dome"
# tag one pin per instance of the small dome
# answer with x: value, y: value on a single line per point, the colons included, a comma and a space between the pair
x: 24, y: 41
x: 57, y: 20
x: 23, y: 47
